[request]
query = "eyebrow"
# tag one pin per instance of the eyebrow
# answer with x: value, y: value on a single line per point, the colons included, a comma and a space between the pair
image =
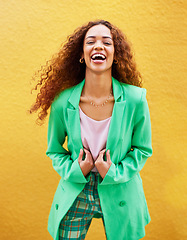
x: 102, y: 37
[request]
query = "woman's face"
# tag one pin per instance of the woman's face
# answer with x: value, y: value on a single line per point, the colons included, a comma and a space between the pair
x: 98, y: 49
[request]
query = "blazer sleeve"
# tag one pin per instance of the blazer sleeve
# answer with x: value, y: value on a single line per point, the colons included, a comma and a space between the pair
x: 67, y: 168
x: 141, y: 147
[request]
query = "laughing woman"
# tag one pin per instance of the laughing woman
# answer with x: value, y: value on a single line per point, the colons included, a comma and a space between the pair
x: 97, y: 102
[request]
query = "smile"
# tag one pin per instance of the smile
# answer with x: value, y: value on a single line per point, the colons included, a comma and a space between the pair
x: 98, y: 58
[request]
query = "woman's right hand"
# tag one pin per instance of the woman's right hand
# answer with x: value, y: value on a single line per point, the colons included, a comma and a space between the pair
x: 87, y: 164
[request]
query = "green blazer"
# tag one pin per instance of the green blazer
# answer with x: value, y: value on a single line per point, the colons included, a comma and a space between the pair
x: 121, y: 192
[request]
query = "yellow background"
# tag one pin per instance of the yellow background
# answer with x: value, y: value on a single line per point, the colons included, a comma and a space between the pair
x: 31, y: 31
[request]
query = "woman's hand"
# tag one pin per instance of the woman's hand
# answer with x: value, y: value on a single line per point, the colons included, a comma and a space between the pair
x: 101, y: 165
x: 87, y: 164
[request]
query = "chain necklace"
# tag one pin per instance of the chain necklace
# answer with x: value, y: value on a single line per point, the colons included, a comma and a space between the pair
x: 101, y: 104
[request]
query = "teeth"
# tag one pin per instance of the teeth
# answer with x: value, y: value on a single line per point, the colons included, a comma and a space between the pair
x: 98, y: 55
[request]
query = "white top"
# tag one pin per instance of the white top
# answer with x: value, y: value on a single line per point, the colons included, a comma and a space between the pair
x: 94, y: 134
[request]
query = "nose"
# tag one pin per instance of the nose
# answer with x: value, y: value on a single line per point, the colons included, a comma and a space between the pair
x: 98, y: 45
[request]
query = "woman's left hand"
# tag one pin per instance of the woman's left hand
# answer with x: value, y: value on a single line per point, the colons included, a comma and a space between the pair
x: 101, y: 165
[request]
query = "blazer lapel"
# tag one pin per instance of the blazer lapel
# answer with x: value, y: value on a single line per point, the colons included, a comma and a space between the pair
x: 114, y: 134
x: 74, y: 118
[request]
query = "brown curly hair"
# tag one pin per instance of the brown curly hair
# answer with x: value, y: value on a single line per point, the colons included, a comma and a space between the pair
x: 64, y: 69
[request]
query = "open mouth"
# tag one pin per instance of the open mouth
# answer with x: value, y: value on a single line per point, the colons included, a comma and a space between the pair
x: 98, y: 58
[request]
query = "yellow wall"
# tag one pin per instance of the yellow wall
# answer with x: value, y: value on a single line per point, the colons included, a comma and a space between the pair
x: 30, y: 32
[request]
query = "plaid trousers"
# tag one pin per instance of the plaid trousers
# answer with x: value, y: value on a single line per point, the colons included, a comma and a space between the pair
x: 77, y: 220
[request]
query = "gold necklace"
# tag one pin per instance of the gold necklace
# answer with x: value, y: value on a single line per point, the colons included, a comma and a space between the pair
x: 102, y: 104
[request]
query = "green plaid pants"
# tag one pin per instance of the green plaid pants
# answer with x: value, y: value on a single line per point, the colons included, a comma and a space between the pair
x: 77, y: 220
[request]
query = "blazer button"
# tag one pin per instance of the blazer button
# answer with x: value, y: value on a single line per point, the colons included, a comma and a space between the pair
x: 122, y: 203
x: 56, y: 206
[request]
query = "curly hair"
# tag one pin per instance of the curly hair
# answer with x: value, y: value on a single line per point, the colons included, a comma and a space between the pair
x: 64, y: 69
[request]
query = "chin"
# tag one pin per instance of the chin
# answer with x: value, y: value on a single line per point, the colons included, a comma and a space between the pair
x: 98, y: 68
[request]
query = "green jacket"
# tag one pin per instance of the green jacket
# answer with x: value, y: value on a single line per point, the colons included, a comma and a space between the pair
x: 121, y: 192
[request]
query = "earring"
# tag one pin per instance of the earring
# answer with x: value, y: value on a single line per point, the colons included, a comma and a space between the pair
x: 115, y: 61
x: 81, y: 60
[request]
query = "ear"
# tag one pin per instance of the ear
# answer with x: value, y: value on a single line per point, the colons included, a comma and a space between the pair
x: 115, y: 57
x: 115, y: 61
x: 82, y: 55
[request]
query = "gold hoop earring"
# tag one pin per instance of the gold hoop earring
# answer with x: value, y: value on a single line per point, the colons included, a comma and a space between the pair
x: 115, y: 61
x: 81, y: 60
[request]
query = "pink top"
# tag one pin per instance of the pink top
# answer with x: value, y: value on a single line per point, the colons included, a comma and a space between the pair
x: 94, y: 134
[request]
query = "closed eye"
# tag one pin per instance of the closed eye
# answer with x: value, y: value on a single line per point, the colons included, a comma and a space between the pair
x: 107, y: 43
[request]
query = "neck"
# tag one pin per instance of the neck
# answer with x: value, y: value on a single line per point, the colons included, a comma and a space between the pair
x: 98, y: 85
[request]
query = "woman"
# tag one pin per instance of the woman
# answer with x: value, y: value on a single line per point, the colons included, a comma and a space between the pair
x: 96, y: 99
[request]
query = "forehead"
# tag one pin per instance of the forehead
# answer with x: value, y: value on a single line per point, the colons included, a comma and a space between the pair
x: 98, y: 30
